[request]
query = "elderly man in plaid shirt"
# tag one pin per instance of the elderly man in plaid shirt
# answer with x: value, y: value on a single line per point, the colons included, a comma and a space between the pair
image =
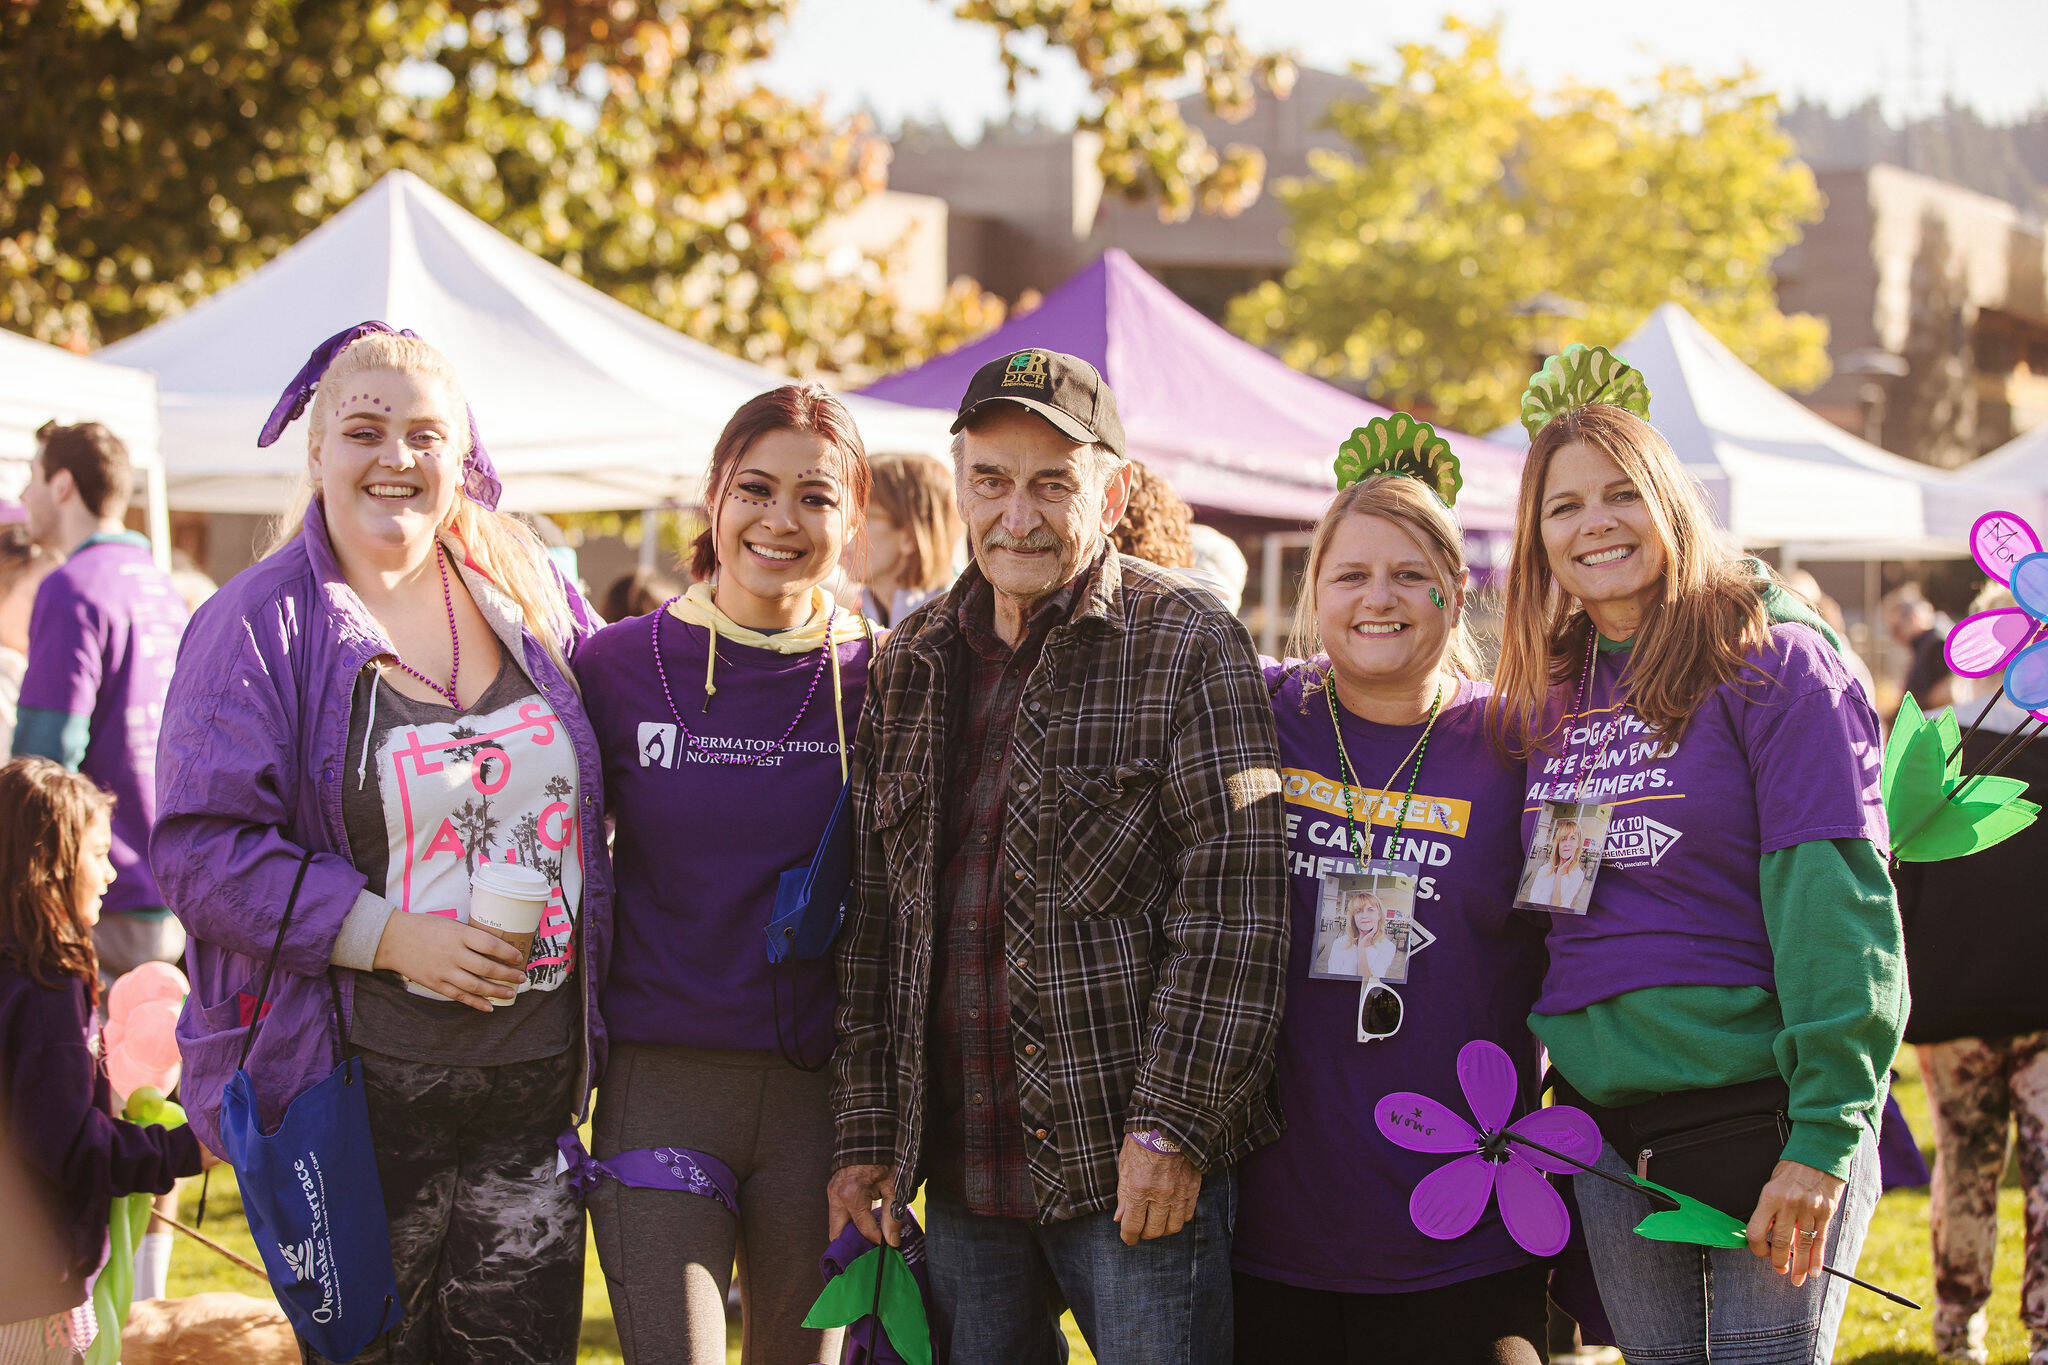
x: 1061, y: 971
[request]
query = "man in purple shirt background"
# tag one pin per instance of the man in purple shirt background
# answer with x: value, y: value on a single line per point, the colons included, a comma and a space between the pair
x: 102, y: 637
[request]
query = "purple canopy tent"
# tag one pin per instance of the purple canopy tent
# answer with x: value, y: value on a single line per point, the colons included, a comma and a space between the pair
x: 1232, y: 428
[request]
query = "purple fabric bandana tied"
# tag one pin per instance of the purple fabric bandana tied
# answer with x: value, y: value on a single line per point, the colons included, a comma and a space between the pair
x: 479, y: 476
x: 649, y: 1168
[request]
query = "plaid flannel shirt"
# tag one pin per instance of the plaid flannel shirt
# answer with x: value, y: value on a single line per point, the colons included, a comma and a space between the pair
x: 1144, y: 890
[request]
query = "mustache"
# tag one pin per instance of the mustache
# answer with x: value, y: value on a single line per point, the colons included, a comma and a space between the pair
x: 999, y: 539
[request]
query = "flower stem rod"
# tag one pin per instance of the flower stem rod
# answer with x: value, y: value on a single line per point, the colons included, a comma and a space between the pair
x: 1664, y: 1202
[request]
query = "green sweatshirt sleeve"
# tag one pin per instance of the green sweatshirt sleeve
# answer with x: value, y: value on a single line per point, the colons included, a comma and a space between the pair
x: 60, y: 735
x: 1839, y: 955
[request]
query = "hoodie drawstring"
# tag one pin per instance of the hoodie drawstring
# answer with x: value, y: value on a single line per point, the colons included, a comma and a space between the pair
x: 369, y: 731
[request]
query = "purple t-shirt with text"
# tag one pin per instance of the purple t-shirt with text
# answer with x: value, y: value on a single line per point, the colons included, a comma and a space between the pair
x: 1767, y: 762
x: 1326, y: 1207
x: 700, y: 845
x: 103, y: 637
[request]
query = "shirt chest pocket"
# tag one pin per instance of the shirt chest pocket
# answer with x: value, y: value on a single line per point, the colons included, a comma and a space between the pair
x: 1110, y: 861
x: 898, y: 826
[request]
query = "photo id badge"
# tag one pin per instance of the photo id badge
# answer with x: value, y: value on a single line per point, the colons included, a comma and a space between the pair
x: 1365, y: 924
x: 1564, y: 857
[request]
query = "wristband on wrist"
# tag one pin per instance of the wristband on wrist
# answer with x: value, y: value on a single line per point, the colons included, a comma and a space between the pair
x: 1152, y: 1140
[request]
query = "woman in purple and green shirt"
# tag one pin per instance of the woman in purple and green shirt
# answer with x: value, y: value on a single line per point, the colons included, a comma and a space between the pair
x: 1729, y: 1002
x: 1383, y: 738
x: 724, y: 718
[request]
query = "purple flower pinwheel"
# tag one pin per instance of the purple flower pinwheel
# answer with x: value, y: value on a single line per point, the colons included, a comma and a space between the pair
x: 2009, y: 638
x: 1498, y: 1155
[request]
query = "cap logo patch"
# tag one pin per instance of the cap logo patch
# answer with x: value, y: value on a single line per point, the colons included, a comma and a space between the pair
x: 1027, y: 370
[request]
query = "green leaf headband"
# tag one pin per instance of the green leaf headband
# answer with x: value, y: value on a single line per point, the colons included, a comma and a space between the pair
x: 1398, y: 444
x: 1582, y: 375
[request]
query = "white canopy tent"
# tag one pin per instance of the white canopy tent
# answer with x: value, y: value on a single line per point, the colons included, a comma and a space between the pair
x: 39, y: 383
x: 1779, y: 474
x: 2016, y: 470
x: 584, y: 403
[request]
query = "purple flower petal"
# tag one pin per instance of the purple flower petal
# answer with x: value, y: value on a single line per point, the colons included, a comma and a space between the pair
x: 1449, y: 1200
x: 1487, y: 1076
x: 1422, y: 1124
x: 1534, y: 1213
x: 1980, y: 645
x: 1562, y: 1129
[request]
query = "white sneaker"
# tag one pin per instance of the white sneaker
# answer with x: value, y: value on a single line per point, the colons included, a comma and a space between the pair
x: 1962, y: 1336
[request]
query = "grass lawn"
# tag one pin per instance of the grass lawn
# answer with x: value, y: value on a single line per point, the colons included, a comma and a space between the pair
x: 1875, y: 1332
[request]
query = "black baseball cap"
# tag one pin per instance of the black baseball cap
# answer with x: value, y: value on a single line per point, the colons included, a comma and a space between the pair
x: 1063, y: 389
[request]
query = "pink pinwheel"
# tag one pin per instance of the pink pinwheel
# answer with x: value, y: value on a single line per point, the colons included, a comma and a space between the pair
x: 1498, y: 1156
x: 2007, y: 549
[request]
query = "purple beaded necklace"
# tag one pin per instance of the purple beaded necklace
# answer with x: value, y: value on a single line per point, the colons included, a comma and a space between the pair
x: 454, y: 638
x: 719, y: 755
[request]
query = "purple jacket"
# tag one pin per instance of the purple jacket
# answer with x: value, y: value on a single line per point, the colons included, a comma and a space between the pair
x: 249, y: 777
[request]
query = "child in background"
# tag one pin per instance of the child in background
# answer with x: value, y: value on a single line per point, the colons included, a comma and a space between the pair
x: 56, y: 1110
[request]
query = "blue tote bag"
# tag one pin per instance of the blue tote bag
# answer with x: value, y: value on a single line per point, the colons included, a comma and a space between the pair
x: 311, y: 1192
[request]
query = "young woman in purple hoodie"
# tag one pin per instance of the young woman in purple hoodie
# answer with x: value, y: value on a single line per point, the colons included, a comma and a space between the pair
x: 388, y: 691
x: 724, y: 718
x: 63, y: 1154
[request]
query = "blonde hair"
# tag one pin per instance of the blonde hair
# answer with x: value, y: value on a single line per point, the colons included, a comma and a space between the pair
x: 1410, y: 505
x: 500, y: 546
x: 916, y: 492
x: 1708, y: 617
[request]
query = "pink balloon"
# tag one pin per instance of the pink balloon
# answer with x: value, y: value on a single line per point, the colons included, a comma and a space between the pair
x: 152, y: 1037
x: 127, y: 1075
x: 111, y: 1036
x: 150, y: 981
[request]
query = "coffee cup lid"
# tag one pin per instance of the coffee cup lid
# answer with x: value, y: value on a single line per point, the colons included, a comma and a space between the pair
x: 511, y: 879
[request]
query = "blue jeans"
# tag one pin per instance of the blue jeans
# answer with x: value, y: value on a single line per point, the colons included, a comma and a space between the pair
x: 1674, y: 1304
x: 998, y: 1285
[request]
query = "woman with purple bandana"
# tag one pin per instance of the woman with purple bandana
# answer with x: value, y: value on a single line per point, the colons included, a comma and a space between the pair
x: 1383, y: 743
x: 1728, y: 1002
x: 725, y: 718
x: 389, y: 691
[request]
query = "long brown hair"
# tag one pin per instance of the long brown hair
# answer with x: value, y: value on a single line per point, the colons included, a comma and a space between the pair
x: 1410, y: 505
x: 499, y: 545
x: 793, y: 407
x: 916, y: 492
x: 1695, y: 637
x: 45, y: 811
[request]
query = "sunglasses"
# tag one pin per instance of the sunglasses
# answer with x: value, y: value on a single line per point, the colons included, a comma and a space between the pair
x: 1379, y: 1011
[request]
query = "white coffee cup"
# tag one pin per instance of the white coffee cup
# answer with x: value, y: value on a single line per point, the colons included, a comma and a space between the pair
x: 508, y: 900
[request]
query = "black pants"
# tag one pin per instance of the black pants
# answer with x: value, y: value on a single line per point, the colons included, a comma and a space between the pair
x: 486, y: 1240
x: 1493, y: 1320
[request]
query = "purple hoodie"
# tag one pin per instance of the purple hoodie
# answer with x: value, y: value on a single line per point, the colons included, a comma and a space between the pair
x: 249, y: 776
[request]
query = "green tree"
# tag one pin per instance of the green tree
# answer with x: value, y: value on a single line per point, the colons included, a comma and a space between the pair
x: 1466, y: 196
x: 155, y: 150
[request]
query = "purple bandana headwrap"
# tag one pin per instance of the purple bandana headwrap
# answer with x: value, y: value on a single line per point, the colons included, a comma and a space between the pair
x: 479, y: 475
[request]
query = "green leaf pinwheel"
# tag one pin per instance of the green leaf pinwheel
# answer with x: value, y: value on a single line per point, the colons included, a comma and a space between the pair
x: 1398, y: 444
x: 853, y: 1294
x: 1580, y: 375
x: 1938, y: 812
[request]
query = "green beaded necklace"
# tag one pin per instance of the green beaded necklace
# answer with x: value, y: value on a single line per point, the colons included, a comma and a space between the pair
x: 1349, y: 775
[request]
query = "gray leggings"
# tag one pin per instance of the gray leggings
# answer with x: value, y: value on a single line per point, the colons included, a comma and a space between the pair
x: 668, y: 1256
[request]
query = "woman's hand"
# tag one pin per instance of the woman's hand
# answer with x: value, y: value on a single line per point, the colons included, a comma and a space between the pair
x: 460, y: 961
x: 1790, y: 1225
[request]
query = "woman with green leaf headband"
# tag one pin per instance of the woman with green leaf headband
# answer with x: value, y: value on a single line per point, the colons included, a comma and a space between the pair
x: 1383, y: 743
x: 1730, y: 999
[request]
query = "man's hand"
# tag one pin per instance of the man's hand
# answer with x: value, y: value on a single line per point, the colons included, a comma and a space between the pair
x: 1155, y: 1193
x: 850, y: 1197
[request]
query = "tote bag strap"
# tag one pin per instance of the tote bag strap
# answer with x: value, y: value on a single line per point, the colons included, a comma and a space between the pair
x: 270, y: 967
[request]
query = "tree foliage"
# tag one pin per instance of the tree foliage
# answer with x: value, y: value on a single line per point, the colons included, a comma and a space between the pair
x: 1421, y: 257
x: 170, y: 146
